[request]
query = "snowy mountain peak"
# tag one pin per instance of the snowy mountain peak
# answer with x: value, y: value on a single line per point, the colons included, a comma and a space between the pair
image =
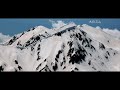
x: 64, y: 26
x: 67, y: 48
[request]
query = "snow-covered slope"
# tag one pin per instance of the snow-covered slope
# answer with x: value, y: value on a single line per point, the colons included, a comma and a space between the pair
x: 68, y: 48
x: 103, y: 37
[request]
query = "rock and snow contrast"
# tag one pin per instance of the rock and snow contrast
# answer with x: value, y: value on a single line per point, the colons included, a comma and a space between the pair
x: 67, y: 48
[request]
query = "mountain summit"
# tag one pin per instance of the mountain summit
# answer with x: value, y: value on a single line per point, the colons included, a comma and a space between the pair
x: 67, y: 48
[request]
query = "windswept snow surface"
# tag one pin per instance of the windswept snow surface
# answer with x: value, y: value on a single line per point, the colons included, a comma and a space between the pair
x: 67, y: 48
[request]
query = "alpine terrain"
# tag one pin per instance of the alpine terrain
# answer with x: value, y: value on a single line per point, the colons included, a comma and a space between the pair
x: 68, y: 48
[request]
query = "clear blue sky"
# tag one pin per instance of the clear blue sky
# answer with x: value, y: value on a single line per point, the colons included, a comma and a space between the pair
x: 15, y: 26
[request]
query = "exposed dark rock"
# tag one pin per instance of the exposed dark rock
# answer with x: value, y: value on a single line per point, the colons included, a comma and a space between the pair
x: 58, y: 34
x: 90, y: 54
x: 28, y: 30
x: 37, y: 38
x: 85, y: 41
x: 94, y: 68
x: 71, y: 50
x: 71, y: 28
x: 101, y: 46
x: 76, y: 69
x: 38, y: 53
x: 45, y: 69
x: 32, y: 48
x: 108, y: 53
x: 38, y: 66
x: 114, y: 53
x: 57, y: 56
x: 90, y: 40
x: 1, y: 68
x: 106, y: 56
x: 27, y: 43
x: 64, y: 59
x: 19, y: 43
x: 45, y: 60
x: 16, y: 62
x: 19, y: 67
x: 33, y: 28
x: 38, y: 47
x: 77, y: 35
x: 12, y: 40
x: 55, y: 67
x: 56, y: 59
x: 38, y: 58
x: 92, y: 47
x: 79, y: 56
x: 64, y: 67
x: 61, y: 63
x: 84, y: 33
x: 89, y: 62
x: 70, y: 43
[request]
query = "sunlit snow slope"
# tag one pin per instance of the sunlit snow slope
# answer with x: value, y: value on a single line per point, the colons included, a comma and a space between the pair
x: 68, y: 48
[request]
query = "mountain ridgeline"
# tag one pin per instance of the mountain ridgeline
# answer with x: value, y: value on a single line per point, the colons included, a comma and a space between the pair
x: 69, y: 48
